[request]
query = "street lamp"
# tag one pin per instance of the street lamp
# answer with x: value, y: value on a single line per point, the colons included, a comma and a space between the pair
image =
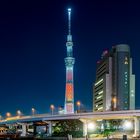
x: 78, y: 103
x: 127, y: 125
x: 60, y: 110
x: 89, y: 127
x: 0, y: 117
x: 8, y: 114
x: 33, y: 111
x: 18, y: 113
x: 52, y: 108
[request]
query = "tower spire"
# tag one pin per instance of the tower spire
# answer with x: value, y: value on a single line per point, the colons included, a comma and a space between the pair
x: 69, y: 21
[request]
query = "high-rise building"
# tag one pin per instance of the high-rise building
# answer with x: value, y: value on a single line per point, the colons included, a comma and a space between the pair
x: 114, y: 88
x: 69, y: 62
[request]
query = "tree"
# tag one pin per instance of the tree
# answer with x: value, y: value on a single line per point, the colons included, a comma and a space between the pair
x: 65, y: 127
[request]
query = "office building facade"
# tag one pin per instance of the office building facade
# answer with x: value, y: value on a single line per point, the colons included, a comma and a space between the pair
x: 114, y: 88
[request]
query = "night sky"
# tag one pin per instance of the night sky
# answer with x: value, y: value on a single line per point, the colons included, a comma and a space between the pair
x: 32, y: 49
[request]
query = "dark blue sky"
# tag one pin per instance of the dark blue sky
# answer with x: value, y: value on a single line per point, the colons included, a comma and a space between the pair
x: 32, y: 49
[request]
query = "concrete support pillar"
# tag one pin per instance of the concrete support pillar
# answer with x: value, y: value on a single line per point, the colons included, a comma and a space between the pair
x: 10, y: 126
x: 85, y: 128
x: 69, y: 137
x: 50, y: 128
x: 24, y: 128
x: 136, y: 127
x: 34, y: 129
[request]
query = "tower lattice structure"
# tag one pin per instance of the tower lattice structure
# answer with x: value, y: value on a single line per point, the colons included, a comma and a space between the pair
x: 69, y: 62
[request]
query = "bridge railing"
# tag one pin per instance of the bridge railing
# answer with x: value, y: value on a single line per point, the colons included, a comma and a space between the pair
x: 76, y: 114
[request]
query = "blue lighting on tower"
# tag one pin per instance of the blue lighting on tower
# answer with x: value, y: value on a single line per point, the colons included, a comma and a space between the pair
x: 69, y: 62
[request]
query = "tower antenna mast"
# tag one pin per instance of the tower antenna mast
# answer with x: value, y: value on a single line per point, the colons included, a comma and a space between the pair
x: 69, y: 21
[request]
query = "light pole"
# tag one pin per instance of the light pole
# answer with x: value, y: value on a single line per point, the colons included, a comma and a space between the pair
x: 52, y: 108
x: 8, y: 114
x: 91, y: 126
x: 18, y: 113
x: 78, y: 103
x: 60, y: 110
x: 127, y: 126
x: 0, y: 117
x: 33, y: 111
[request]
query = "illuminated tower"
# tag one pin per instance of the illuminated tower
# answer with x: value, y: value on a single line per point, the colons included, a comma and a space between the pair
x: 69, y: 62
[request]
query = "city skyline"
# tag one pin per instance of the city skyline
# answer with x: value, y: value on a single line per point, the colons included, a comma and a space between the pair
x: 33, y: 48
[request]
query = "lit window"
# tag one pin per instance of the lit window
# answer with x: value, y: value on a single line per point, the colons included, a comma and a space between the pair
x: 132, y: 95
x: 98, y: 82
x: 100, y: 92
x: 100, y: 108
x: 99, y: 97
x: 126, y: 62
x: 114, y: 100
x: 96, y: 105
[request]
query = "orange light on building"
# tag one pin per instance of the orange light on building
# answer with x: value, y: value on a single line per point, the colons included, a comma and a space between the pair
x: 114, y: 100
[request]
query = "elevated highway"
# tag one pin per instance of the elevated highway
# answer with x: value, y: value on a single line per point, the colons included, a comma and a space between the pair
x: 84, y: 117
x: 91, y: 115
